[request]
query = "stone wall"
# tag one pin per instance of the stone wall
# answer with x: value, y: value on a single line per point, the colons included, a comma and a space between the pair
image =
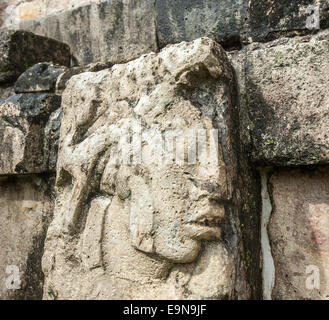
x: 255, y: 228
x: 154, y: 24
x: 30, y: 114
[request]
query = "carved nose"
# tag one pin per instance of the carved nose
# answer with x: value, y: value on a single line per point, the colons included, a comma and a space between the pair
x: 208, y: 211
x: 207, y: 189
x: 216, y: 209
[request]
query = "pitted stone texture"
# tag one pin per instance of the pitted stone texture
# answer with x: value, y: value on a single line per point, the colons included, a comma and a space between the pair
x: 26, y: 208
x: 41, y: 77
x: 298, y: 232
x: 287, y: 99
x: 114, y: 30
x: 186, y: 20
x: 134, y: 231
x: 20, y: 50
x: 23, y: 119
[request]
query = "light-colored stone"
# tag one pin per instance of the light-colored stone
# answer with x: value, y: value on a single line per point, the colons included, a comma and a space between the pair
x: 61, y: 5
x: 147, y: 230
x: 112, y: 30
x: 69, y: 73
x: 31, y: 9
x: 14, y: 11
x: 26, y: 207
x: 287, y: 99
x: 298, y: 232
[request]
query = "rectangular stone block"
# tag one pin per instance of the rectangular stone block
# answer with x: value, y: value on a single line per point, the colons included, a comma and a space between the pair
x: 287, y: 100
x: 20, y: 50
x: 298, y: 233
x: 14, y: 11
x: 186, y: 20
x: 272, y: 19
x: 113, y: 30
x: 29, y: 132
x: 26, y: 207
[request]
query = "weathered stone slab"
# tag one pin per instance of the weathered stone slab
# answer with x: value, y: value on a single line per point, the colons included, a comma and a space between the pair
x: 23, y: 139
x: 273, y: 19
x: 240, y: 21
x: 26, y: 208
x: 20, y: 50
x: 113, y: 30
x: 41, y: 77
x: 14, y: 11
x: 155, y: 228
x: 186, y: 20
x: 298, y: 232
x: 288, y: 99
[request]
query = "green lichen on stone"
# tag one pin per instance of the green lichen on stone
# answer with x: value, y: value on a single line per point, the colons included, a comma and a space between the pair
x: 27, y: 65
x: 52, y: 294
x: 124, y: 195
x: 278, y: 55
x: 248, y: 257
x: 8, y: 72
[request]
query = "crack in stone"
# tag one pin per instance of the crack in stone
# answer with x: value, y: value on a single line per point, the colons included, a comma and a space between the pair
x: 268, y: 262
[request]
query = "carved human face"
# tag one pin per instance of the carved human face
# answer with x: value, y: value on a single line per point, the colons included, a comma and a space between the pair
x: 186, y: 211
x: 172, y: 208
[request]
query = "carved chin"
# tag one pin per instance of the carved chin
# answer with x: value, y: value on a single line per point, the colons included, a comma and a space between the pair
x: 178, y: 250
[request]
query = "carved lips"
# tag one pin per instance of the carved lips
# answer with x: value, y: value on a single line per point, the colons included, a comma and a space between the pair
x: 206, y: 225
